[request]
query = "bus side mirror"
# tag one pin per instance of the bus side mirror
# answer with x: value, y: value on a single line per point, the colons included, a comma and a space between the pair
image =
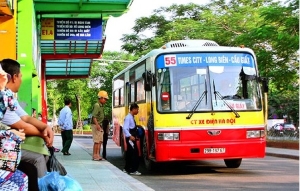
x: 147, y: 80
x: 265, y: 84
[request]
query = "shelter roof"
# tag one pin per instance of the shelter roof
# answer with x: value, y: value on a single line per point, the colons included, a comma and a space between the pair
x: 71, y: 58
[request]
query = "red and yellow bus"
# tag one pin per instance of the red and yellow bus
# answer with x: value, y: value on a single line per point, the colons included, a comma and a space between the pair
x: 202, y: 101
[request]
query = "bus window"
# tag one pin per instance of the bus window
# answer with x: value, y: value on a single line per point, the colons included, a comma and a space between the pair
x: 187, y: 85
x: 140, y: 91
x: 132, y: 93
x: 118, y: 83
x: 132, y: 85
x: 164, y: 89
x: 116, y: 98
x: 122, y: 96
x: 240, y: 90
x: 118, y: 91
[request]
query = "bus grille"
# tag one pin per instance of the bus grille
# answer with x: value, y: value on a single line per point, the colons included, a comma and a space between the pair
x: 177, y: 45
x: 190, y: 43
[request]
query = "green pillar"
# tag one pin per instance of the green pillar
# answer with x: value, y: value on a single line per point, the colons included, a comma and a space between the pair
x: 27, y: 55
x: 35, y: 93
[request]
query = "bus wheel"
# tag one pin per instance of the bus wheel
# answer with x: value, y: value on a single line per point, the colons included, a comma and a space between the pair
x: 233, y: 163
x: 122, y: 143
x: 149, y: 164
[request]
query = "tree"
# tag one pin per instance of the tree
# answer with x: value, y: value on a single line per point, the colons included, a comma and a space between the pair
x: 276, y: 44
x: 216, y: 21
x: 162, y: 28
x: 61, y: 89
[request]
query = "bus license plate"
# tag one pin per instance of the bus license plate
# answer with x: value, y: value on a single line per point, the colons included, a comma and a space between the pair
x: 214, y: 150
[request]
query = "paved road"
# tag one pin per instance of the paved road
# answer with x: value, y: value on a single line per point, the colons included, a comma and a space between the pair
x: 268, y: 174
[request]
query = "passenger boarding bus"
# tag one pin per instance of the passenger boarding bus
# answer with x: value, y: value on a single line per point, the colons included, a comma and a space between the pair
x: 197, y: 101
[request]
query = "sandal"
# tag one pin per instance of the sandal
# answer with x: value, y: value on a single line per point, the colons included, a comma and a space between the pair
x: 97, y: 159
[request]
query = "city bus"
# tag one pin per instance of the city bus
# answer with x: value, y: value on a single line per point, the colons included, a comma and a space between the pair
x: 197, y: 101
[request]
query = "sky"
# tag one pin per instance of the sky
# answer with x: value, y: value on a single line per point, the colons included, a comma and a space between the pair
x: 117, y: 26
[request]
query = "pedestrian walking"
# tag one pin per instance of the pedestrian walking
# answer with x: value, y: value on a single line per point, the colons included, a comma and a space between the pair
x: 65, y: 122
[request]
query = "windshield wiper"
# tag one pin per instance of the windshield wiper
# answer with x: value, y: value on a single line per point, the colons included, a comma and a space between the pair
x: 221, y: 97
x: 198, y: 102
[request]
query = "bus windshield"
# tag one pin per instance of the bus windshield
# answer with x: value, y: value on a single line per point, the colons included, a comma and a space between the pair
x: 207, y: 82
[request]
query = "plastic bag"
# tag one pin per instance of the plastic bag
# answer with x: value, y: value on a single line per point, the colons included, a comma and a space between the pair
x: 55, y: 182
x: 53, y: 165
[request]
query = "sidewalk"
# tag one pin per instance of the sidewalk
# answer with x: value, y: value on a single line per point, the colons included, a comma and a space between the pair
x: 94, y: 175
x: 283, y: 153
x: 102, y: 175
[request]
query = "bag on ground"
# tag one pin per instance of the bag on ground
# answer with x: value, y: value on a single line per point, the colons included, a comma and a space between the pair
x: 54, y: 165
x: 55, y: 182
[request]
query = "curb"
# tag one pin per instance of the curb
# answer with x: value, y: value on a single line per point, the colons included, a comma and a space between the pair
x: 283, y: 156
x: 87, y: 136
x: 82, y: 136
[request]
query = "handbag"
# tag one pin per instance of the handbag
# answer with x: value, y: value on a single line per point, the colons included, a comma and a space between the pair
x: 53, y: 165
x: 10, y: 150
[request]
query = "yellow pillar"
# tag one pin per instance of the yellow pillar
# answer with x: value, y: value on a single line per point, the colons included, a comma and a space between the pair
x: 8, y: 31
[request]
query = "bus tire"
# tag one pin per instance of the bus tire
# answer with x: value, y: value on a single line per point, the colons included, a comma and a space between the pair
x: 122, y: 142
x: 149, y: 164
x: 233, y: 163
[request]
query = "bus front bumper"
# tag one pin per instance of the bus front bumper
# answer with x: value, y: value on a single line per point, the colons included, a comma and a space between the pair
x: 174, y: 151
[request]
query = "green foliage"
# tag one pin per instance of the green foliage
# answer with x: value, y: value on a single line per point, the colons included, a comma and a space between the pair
x: 86, y: 127
x: 285, y: 102
x: 59, y: 90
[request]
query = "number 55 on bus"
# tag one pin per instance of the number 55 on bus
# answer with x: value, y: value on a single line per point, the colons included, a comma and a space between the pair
x: 197, y: 100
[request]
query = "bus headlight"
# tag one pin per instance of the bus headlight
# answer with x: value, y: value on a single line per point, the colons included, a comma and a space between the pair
x: 255, y: 133
x: 168, y: 136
